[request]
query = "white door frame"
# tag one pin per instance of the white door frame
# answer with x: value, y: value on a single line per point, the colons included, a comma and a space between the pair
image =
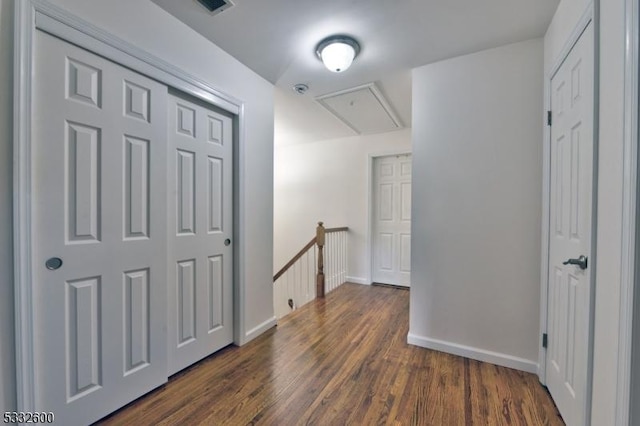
x: 371, y: 207
x: 628, y: 374
x: 586, y: 19
x: 34, y: 15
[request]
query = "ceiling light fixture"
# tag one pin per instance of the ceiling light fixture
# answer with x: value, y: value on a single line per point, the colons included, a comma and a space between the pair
x: 337, y: 52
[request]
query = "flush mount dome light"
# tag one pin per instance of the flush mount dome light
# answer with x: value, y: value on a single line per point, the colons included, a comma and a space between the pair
x: 337, y: 52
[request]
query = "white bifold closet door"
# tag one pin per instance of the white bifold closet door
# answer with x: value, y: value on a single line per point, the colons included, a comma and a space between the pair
x: 200, y: 229
x: 99, y: 247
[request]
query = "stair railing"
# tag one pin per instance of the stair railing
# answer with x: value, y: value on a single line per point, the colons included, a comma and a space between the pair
x: 318, y: 268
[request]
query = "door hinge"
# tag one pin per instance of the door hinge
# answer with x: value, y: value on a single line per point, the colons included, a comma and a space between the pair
x: 544, y: 340
x: 548, y: 118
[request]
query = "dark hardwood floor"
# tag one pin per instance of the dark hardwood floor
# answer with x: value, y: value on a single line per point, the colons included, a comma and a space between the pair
x: 343, y: 360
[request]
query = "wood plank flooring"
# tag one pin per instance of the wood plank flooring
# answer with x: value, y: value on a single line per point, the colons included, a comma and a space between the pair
x: 343, y: 360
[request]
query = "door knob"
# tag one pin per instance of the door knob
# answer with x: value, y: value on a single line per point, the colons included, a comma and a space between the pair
x: 53, y: 263
x: 581, y: 262
x: 227, y: 242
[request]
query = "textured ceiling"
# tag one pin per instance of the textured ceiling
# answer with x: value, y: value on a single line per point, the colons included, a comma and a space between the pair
x: 277, y: 38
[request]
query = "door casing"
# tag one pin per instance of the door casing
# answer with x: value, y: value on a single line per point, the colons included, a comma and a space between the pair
x: 628, y: 374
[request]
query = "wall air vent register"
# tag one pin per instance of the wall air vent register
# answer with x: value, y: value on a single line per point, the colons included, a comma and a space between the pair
x: 216, y: 6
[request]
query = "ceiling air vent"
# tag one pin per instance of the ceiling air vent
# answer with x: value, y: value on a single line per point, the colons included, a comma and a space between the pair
x: 216, y: 6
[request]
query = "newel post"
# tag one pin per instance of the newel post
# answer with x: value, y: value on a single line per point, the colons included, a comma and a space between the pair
x: 320, y: 242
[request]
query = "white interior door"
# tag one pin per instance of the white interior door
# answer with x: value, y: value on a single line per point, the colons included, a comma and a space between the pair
x: 99, y: 226
x: 392, y: 220
x: 570, y: 230
x: 200, y: 229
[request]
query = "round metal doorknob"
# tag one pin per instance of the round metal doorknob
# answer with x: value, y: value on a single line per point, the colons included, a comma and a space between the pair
x: 53, y: 263
x: 227, y: 242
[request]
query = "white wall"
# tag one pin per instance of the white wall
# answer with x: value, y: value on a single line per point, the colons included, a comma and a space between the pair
x: 477, y: 167
x: 143, y: 23
x: 7, y: 360
x: 327, y: 181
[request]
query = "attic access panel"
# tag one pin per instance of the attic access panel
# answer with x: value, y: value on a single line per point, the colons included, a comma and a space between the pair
x: 363, y: 108
x: 216, y: 6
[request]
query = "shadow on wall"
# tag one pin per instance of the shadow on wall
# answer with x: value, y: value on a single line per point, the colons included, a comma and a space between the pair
x: 7, y: 346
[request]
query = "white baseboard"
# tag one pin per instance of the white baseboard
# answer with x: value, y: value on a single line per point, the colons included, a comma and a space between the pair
x: 496, y: 358
x: 358, y: 280
x: 261, y: 328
